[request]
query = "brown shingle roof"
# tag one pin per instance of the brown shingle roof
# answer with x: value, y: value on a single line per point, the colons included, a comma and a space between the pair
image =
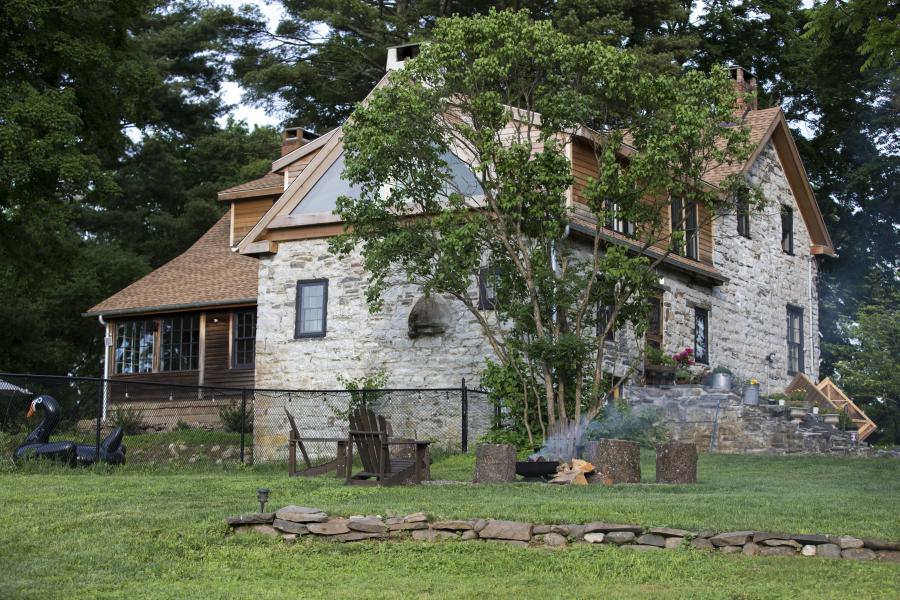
x: 208, y: 273
x: 760, y: 123
x: 269, y: 180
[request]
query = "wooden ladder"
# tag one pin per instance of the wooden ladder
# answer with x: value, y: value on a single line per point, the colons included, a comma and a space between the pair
x: 828, y: 393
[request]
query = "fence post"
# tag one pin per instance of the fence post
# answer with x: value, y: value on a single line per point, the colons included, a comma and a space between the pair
x: 464, y: 399
x: 97, y: 428
x: 243, y: 421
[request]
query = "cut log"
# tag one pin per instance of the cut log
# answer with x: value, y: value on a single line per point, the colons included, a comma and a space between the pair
x: 616, y: 461
x: 676, y: 462
x: 495, y: 463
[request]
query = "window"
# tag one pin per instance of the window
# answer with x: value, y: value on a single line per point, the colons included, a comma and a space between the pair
x: 787, y: 229
x: 617, y: 222
x: 243, y: 345
x: 701, y: 335
x: 487, y: 292
x: 312, y: 308
x: 604, y: 315
x: 134, y: 347
x: 684, y: 218
x: 180, y: 343
x: 743, y: 215
x: 654, y: 333
x: 795, y: 339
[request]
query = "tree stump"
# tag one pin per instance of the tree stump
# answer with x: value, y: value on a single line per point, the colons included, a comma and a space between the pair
x: 676, y: 462
x: 616, y: 461
x: 495, y: 463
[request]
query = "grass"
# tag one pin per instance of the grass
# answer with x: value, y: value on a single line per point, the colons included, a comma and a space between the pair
x: 141, y: 532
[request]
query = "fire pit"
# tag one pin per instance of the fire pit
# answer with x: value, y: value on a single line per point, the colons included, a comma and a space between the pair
x: 535, y: 469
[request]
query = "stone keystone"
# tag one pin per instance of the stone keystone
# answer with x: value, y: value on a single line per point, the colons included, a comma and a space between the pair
x: 367, y: 525
x: 254, y: 519
x: 453, y: 525
x: 506, y: 530
x: 332, y: 527
x: 731, y: 538
x: 301, y: 514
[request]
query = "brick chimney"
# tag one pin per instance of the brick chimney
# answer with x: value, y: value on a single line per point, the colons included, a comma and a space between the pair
x: 294, y: 137
x: 744, y: 83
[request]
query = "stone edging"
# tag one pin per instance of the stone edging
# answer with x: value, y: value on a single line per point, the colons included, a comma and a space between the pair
x: 291, y: 522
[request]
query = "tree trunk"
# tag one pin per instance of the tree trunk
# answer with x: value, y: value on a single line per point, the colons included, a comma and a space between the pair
x: 495, y: 463
x: 676, y: 462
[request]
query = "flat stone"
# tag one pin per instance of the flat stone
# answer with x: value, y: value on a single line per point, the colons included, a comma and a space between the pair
x: 702, y: 544
x: 641, y: 547
x: 479, y: 525
x: 609, y: 527
x: 808, y: 550
x: 453, y: 525
x: 669, y: 532
x: 301, y: 514
x: 367, y: 525
x: 804, y: 538
x: 355, y: 536
x: 889, y: 555
x: 881, y: 545
x: 332, y: 527
x: 542, y: 529
x: 406, y: 526
x: 506, y: 530
x: 266, y: 530
x: 554, y: 540
x: 777, y: 551
x: 430, y: 535
x: 847, y: 543
x: 576, y: 532
x: 706, y: 533
x: 290, y: 527
x: 858, y: 554
x: 828, y: 551
x: 750, y: 549
x: 594, y: 537
x: 469, y: 535
x: 560, y: 529
x: 419, y: 517
x: 254, y: 519
x: 731, y: 549
x: 674, y: 543
x: 393, y: 521
x: 651, y: 539
x: 776, y: 542
x: 620, y: 537
x: 517, y: 543
x: 761, y: 536
x: 731, y: 538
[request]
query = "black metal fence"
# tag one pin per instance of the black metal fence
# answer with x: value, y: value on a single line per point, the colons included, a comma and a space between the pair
x: 183, y: 424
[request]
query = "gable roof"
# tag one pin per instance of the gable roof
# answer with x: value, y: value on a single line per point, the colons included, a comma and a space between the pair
x: 208, y: 273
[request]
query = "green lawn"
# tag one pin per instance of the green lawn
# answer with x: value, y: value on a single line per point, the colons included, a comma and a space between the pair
x: 139, y: 533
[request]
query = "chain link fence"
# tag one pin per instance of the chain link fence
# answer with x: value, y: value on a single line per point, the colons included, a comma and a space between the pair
x: 183, y: 424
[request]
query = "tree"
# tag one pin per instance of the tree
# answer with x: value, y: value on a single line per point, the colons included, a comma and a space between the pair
x: 325, y: 56
x: 502, y: 96
x: 867, y: 369
x: 876, y: 21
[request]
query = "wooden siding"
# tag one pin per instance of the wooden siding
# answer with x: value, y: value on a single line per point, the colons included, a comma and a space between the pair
x: 218, y: 371
x: 246, y: 214
x: 584, y: 165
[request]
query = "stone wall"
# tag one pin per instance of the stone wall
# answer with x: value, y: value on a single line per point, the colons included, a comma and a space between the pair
x: 691, y: 413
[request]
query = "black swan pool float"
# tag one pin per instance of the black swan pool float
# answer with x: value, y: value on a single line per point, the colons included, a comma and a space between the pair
x: 37, y: 444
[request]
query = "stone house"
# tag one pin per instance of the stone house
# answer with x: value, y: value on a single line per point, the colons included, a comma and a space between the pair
x: 259, y: 300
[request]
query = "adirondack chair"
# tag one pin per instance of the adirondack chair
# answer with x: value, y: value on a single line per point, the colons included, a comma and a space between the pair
x: 371, y: 436
x: 295, y: 442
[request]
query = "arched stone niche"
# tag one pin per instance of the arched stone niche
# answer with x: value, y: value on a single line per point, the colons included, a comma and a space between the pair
x: 430, y: 315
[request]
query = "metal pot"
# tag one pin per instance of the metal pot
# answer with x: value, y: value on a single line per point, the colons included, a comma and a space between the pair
x: 751, y: 394
x: 721, y: 381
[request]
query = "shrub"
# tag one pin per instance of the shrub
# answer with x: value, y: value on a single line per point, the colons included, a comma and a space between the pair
x: 231, y: 419
x: 656, y: 357
x: 128, y: 419
x: 507, y: 436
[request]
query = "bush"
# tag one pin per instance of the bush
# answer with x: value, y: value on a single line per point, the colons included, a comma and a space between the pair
x: 656, y: 357
x: 506, y: 436
x: 231, y: 419
x: 128, y: 419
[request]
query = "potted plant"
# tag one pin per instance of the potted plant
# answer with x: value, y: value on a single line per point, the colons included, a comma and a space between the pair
x: 721, y: 378
x: 796, y: 400
x: 684, y: 360
x: 751, y: 392
x: 659, y: 368
x: 831, y: 416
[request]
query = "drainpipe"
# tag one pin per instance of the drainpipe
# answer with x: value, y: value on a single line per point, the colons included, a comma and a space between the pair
x: 106, y: 336
x: 812, y: 347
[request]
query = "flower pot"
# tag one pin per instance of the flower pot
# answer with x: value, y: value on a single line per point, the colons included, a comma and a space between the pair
x: 831, y: 419
x: 721, y: 381
x: 815, y: 410
x: 797, y: 412
x: 751, y: 394
x: 659, y: 375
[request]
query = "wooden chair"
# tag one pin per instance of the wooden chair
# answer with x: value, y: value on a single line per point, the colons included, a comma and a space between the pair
x: 371, y: 436
x: 295, y: 441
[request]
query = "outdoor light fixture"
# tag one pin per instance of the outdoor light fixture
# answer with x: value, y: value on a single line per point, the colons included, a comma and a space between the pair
x: 262, y: 494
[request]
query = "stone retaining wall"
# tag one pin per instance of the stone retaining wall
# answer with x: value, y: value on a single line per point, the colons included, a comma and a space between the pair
x: 292, y: 522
